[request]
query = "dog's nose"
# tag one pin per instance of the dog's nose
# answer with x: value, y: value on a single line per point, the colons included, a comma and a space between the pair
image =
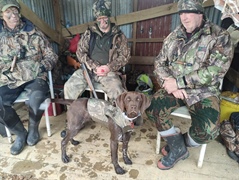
x: 133, y: 107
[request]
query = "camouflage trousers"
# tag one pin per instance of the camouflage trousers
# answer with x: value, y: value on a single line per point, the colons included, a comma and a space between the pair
x: 205, y: 115
x: 75, y: 86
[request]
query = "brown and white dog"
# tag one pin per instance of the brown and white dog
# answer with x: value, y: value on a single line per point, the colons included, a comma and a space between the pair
x: 131, y: 103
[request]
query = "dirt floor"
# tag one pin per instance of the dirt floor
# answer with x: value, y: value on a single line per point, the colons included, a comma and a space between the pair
x: 91, y: 158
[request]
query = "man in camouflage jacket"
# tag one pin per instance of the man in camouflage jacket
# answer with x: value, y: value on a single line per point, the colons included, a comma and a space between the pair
x: 190, y: 66
x: 104, y: 50
x: 25, y: 58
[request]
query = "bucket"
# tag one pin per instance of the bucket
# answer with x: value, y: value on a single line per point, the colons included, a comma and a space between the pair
x: 228, y: 104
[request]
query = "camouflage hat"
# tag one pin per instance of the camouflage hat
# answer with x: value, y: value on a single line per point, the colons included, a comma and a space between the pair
x: 192, y: 6
x: 4, y: 4
x: 101, y: 8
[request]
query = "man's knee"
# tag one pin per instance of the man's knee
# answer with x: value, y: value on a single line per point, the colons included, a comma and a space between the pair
x: 35, y: 100
x: 205, y: 136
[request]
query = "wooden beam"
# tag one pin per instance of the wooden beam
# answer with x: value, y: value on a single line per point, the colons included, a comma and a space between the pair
x: 134, y: 35
x: 57, y: 17
x: 149, y: 40
x: 134, y: 17
x: 44, y: 27
x: 233, y: 76
x: 142, y: 60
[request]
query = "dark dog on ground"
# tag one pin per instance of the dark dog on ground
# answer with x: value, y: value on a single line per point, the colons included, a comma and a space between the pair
x: 131, y: 103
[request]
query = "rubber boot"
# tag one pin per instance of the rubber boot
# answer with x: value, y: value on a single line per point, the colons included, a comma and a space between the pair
x: 33, y: 133
x: 178, y: 151
x: 20, y: 141
x: 165, y: 149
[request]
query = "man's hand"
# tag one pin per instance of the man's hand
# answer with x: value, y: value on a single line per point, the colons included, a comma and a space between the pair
x: 170, y: 85
x: 102, y: 70
x: 180, y: 94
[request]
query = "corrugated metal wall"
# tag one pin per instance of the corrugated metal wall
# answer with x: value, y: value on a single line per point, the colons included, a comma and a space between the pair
x: 43, y: 9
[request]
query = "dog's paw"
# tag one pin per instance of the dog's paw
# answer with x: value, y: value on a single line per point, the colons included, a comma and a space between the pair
x: 127, y: 161
x: 63, y: 134
x: 119, y: 170
x: 74, y: 142
x: 65, y: 159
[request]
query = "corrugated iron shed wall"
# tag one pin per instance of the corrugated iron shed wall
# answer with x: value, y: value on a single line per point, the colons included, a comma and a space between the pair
x: 43, y: 9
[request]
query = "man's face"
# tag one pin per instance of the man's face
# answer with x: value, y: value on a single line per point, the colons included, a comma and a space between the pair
x: 103, y: 23
x: 191, y: 21
x: 11, y: 16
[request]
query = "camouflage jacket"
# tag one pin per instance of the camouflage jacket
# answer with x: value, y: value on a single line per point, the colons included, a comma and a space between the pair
x: 34, y: 55
x: 119, y: 54
x: 198, y: 64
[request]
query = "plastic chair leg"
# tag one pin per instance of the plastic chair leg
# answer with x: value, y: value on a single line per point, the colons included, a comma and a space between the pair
x: 201, y: 155
x: 9, y: 136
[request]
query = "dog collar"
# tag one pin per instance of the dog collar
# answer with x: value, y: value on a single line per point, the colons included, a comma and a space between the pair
x: 130, y: 119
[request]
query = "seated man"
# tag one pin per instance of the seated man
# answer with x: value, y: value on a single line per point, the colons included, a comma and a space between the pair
x: 190, y: 66
x: 25, y: 58
x: 104, y: 50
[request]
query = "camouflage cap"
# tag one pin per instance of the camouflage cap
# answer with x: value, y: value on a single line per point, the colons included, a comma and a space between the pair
x: 101, y: 8
x: 192, y: 6
x: 4, y: 4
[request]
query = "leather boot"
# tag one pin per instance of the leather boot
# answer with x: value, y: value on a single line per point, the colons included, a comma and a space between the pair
x: 20, y: 141
x: 178, y: 151
x: 33, y: 133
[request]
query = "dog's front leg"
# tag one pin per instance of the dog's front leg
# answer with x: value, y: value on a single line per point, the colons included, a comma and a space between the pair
x: 64, y: 156
x: 126, y: 138
x: 114, y: 157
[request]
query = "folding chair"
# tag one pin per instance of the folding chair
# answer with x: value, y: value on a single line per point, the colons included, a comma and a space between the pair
x: 44, y: 106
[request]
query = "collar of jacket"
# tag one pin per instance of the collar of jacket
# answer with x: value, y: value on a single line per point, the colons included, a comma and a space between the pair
x: 27, y: 25
x: 204, y: 29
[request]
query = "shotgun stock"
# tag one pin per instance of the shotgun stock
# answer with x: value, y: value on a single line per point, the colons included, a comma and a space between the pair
x: 13, y: 63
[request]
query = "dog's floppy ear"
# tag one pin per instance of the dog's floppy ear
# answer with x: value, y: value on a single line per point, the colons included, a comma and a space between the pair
x: 145, y: 104
x: 120, y: 101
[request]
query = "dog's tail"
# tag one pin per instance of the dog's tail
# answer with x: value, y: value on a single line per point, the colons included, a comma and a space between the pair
x: 63, y: 101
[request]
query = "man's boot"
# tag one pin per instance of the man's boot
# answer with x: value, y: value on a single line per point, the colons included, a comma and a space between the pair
x: 178, y: 151
x: 33, y: 133
x: 165, y: 149
x: 20, y: 141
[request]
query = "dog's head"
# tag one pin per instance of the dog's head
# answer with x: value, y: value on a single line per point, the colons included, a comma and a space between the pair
x: 132, y: 103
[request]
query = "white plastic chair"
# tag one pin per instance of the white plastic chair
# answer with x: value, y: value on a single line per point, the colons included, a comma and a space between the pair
x: 44, y: 106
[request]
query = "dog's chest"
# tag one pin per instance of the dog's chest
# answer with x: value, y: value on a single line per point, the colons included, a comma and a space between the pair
x: 100, y: 110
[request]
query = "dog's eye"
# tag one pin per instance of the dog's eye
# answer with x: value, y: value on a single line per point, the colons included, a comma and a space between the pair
x: 128, y: 99
x: 138, y: 99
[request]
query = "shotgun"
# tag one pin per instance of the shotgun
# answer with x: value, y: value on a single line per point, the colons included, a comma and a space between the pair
x: 10, y: 70
x: 87, y: 77
x: 13, y: 63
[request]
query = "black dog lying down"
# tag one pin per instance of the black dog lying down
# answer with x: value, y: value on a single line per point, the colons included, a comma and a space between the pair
x: 131, y: 103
